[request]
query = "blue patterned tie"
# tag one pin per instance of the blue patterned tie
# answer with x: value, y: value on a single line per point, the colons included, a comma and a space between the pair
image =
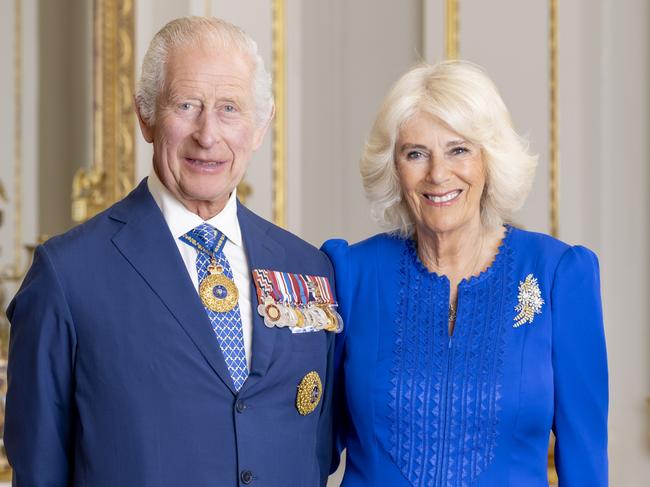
x: 227, y: 326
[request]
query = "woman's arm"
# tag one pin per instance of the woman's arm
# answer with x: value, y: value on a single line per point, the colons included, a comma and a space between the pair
x: 579, y: 371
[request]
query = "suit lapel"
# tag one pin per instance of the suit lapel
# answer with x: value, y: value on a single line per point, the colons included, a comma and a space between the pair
x: 145, y: 241
x: 262, y: 252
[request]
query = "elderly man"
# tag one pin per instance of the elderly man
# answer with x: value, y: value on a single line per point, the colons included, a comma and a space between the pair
x: 177, y: 339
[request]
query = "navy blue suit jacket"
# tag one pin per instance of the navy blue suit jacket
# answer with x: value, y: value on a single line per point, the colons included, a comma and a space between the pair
x: 116, y: 377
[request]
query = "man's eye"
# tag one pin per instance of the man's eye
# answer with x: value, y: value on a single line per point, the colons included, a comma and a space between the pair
x: 230, y: 108
x: 185, y: 106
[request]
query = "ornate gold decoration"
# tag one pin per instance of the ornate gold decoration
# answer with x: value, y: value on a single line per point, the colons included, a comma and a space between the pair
x: 530, y: 301
x: 18, y: 141
x: 554, y: 176
x: 552, y: 473
x: 554, y: 128
x: 279, y: 123
x: 451, y: 29
x: 14, y: 272
x: 112, y: 172
x: 310, y: 391
x: 217, y: 280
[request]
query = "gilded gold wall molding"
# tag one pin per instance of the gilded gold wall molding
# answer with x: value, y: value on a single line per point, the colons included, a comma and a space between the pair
x: 15, y: 271
x: 17, y: 263
x: 554, y: 162
x: 111, y: 175
x: 279, y: 123
x: 554, y: 151
x: 451, y: 29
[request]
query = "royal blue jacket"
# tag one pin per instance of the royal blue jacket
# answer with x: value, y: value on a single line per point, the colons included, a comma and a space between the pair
x: 116, y: 377
x: 417, y: 407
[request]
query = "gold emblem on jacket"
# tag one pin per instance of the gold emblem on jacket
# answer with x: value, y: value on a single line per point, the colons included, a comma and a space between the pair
x: 310, y: 391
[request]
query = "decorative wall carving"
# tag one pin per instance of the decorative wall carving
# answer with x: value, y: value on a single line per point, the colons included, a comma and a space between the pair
x: 111, y: 174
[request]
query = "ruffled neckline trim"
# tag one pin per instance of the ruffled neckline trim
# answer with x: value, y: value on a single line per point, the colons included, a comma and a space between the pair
x: 484, y: 274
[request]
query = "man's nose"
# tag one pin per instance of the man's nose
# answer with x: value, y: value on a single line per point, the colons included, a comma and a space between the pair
x: 207, y: 131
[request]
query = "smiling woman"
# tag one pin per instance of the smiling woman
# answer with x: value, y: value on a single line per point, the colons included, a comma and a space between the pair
x: 442, y: 175
x: 468, y: 323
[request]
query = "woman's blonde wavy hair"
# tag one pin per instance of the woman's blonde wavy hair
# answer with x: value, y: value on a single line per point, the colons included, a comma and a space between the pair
x: 462, y: 96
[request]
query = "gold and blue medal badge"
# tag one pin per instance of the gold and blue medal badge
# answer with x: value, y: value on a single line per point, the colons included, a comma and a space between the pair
x: 217, y: 291
x: 310, y: 391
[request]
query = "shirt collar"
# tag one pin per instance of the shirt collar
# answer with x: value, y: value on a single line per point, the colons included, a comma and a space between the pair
x: 180, y: 220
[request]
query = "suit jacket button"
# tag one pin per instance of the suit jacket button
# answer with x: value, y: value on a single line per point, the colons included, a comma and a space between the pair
x: 246, y: 477
x: 240, y: 406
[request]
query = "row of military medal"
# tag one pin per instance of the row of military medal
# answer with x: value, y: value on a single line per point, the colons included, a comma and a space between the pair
x: 300, y: 318
x: 301, y: 302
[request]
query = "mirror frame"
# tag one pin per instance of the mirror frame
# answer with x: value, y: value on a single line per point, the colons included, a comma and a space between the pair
x: 111, y: 173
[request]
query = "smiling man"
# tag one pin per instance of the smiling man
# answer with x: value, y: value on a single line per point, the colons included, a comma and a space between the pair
x: 177, y: 338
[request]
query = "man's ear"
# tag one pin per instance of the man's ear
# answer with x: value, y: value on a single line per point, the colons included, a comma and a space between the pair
x: 260, y: 131
x: 147, y: 131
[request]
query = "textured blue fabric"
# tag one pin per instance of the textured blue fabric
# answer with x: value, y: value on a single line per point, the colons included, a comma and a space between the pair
x: 227, y: 326
x: 416, y: 407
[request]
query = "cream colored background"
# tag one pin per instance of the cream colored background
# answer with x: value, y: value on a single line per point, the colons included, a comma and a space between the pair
x: 342, y: 56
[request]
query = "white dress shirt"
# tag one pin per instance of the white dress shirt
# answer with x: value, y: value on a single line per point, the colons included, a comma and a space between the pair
x: 180, y: 221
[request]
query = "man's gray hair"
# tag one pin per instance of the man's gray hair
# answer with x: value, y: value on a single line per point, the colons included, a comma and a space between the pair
x: 462, y: 96
x: 199, y: 31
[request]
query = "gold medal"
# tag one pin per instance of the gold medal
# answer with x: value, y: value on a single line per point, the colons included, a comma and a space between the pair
x: 218, y: 293
x: 301, y: 318
x: 332, y: 321
x: 310, y: 391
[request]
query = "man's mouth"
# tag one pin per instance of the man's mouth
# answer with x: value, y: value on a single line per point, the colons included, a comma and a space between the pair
x: 203, y: 162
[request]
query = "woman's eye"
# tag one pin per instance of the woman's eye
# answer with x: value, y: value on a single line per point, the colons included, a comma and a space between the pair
x: 414, y: 155
x: 459, y: 150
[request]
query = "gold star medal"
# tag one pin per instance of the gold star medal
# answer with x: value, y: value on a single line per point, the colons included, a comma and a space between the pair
x: 309, y: 394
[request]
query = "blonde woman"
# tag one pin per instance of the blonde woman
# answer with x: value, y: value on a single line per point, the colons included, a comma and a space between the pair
x: 467, y: 340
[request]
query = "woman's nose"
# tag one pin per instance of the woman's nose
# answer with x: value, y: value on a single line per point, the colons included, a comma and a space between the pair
x: 438, y: 171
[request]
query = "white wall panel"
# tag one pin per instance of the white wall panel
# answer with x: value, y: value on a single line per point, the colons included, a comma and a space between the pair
x: 352, y: 54
x: 623, y: 162
x: 509, y: 38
